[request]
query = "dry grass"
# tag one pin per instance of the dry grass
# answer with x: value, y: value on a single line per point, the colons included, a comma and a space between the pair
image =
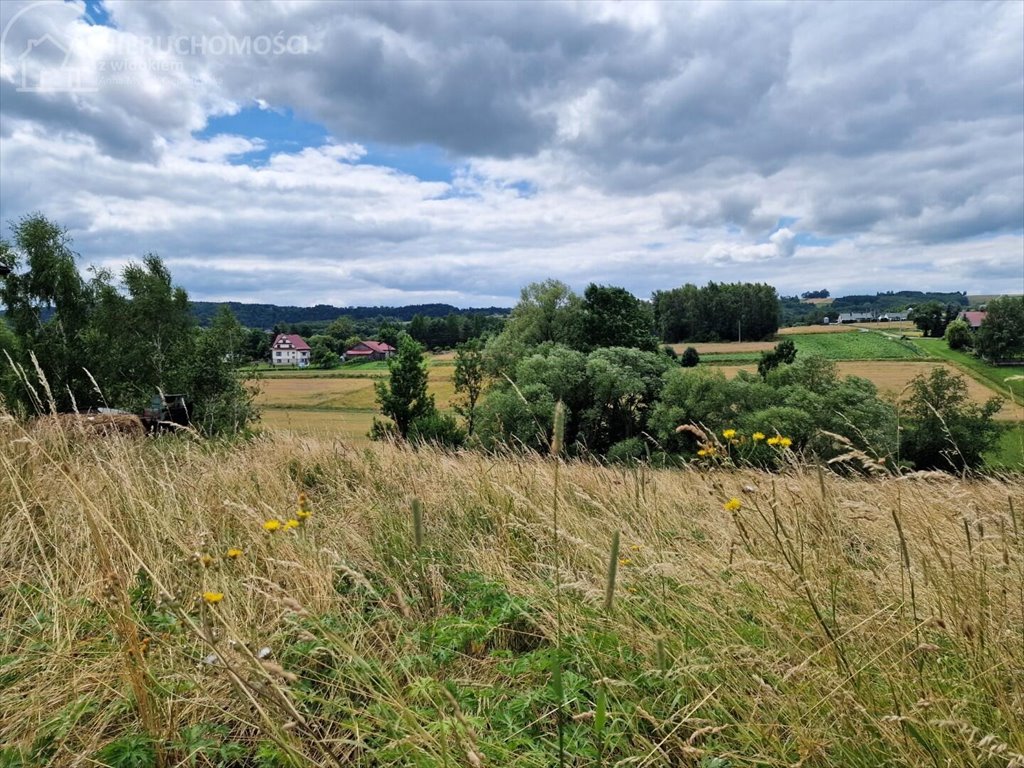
x: 829, y: 621
x: 798, y: 330
x: 346, y: 425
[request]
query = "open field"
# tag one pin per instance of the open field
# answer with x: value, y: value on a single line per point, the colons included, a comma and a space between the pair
x: 727, y: 347
x: 861, y: 345
x: 807, y: 329
x: 827, y: 621
x: 994, y: 376
x: 337, y: 392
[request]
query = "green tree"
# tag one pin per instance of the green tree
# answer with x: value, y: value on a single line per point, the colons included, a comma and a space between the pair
x: 322, y: 352
x: 470, y: 376
x: 932, y: 317
x: 783, y: 354
x: 690, y: 358
x: 1001, y: 336
x: 942, y: 427
x: 616, y: 318
x: 958, y: 335
x: 548, y: 312
x: 341, y: 328
x: 48, y: 306
x: 230, y: 334
x: 403, y: 398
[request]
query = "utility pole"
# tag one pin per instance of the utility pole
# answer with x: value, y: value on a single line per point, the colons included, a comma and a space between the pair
x: 739, y: 330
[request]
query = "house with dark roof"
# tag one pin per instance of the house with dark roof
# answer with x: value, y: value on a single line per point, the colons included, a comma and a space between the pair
x: 973, y: 319
x: 370, y: 350
x: 289, y: 349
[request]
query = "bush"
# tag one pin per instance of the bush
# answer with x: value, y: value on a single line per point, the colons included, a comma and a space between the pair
x: 438, y: 429
x: 627, y: 451
x: 690, y: 358
x: 784, y: 353
x: 958, y: 335
x: 942, y: 428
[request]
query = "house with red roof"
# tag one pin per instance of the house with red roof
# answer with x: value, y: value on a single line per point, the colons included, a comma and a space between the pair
x: 973, y: 319
x: 289, y: 349
x: 370, y: 350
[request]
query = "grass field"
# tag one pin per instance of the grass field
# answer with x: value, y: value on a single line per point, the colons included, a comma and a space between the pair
x: 824, y: 621
x: 993, y: 376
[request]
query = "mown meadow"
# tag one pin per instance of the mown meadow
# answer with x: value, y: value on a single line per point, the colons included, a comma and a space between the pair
x: 424, y: 608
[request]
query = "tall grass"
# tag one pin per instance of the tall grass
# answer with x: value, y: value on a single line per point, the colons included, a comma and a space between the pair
x: 826, y: 621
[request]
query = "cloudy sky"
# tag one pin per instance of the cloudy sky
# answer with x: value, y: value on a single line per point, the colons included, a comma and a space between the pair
x: 303, y: 151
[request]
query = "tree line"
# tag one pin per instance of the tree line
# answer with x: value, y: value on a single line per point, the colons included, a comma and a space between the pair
x: 626, y: 401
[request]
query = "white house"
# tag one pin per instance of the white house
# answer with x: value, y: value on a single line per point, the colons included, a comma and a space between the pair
x: 289, y: 349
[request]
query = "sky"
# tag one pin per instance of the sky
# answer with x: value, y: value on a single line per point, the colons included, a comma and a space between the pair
x: 303, y: 152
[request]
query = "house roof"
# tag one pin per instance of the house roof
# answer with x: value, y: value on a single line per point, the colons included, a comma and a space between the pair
x: 370, y: 347
x: 290, y: 341
x: 974, y: 319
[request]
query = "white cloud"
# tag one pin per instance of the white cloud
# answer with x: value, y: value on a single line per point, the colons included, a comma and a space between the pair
x: 661, y: 143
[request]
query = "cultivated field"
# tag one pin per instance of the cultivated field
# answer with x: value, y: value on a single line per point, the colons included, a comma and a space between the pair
x: 148, y: 618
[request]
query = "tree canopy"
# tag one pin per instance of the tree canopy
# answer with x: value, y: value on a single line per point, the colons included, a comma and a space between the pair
x: 108, y: 342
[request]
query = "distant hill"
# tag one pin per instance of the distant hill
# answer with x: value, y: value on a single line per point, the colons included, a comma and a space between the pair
x: 268, y: 315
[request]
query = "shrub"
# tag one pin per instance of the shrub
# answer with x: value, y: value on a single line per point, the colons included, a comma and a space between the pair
x: 690, y: 358
x: 627, y: 451
x: 942, y: 428
x: 437, y: 428
x: 958, y: 335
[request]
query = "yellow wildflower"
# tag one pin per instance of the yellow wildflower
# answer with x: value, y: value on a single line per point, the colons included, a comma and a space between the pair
x: 624, y: 561
x: 302, y: 514
x: 774, y: 440
x: 233, y: 553
x: 293, y: 523
x: 702, y: 452
x: 635, y: 547
x: 271, y: 525
x: 213, y: 597
x: 758, y: 436
x: 729, y: 434
x: 785, y: 442
x: 733, y: 504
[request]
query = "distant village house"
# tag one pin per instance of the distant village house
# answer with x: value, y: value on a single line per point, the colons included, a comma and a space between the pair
x: 289, y: 349
x: 370, y: 350
x: 973, y: 319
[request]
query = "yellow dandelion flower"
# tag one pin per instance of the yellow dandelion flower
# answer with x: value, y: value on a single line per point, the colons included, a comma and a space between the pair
x: 233, y: 553
x: 733, y: 504
x: 213, y: 597
x: 624, y: 561
x: 729, y: 434
x: 293, y: 523
x: 302, y: 514
x: 271, y: 525
x: 758, y: 436
x: 785, y: 442
x: 774, y: 440
x: 702, y: 452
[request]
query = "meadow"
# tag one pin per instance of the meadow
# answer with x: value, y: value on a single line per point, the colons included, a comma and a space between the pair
x: 431, y: 609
